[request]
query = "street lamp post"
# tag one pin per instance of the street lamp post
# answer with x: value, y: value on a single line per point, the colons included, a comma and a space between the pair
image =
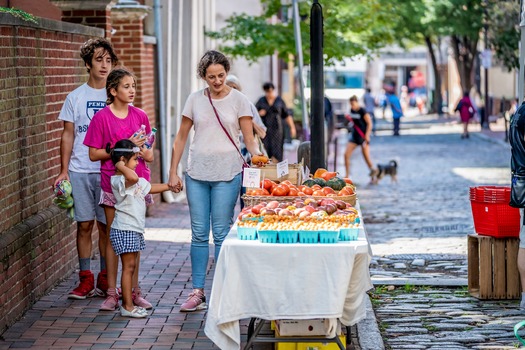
x: 317, y: 95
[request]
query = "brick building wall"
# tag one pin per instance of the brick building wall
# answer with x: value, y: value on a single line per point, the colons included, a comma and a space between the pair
x: 37, y: 240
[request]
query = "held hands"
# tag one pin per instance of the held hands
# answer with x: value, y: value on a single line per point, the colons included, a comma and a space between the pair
x: 175, y: 183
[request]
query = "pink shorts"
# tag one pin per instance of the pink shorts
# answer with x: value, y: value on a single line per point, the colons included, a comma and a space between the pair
x: 108, y: 199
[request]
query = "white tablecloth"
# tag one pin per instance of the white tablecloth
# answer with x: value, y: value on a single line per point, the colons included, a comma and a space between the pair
x: 286, y: 281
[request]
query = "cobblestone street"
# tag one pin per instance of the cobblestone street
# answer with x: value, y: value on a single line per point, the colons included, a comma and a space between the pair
x: 418, y: 230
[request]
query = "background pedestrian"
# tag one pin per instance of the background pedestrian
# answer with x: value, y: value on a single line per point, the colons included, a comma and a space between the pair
x: 274, y: 113
x: 370, y: 107
x: 395, y: 105
x: 359, y: 136
x: 466, y: 112
x: 259, y: 129
x: 218, y: 114
x: 78, y: 109
x: 119, y: 120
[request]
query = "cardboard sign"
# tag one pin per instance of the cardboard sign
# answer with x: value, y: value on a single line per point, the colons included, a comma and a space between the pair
x: 251, y: 177
x: 282, y: 168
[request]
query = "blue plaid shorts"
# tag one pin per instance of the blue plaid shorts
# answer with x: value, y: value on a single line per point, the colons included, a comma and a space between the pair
x: 126, y: 241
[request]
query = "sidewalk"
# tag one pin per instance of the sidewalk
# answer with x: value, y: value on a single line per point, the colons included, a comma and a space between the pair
x: 55, y: 322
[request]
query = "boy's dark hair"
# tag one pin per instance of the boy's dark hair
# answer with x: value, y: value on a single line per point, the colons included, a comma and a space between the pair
x: 116, y: 152
x: 353, y: 98
x: 268, y: 86
x: 212, y: 57
x: 88, y: 50
x: 113, y: 81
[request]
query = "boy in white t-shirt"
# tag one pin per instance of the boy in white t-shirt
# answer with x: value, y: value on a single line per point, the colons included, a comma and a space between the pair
x: 78, y: 110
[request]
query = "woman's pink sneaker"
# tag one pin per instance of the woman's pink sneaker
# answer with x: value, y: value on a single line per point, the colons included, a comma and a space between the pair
x: 196, y: 301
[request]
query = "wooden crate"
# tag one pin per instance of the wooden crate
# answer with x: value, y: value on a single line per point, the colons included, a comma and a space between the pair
x: 295, y: 173
x: 492, y: 267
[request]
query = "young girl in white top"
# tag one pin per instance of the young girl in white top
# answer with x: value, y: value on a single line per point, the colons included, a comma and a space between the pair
x: 127, y: 229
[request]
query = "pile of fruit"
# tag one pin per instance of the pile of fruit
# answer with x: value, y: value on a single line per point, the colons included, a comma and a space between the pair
x: 307, y: 209
x: 322, y: 184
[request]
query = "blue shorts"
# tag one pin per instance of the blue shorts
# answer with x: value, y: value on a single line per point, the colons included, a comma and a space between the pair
x: 126, y: 241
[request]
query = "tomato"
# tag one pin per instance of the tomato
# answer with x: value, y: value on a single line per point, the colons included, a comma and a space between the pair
x: 318, y: 193
x: 327, y: 190
x: 267, y: 184
x: 286, y: 182
x: 301, y: 194
x: 348, y: 181
x: 280, y: 190
x: 293, y: 192
x: 316, y: 187
x: 308, y: 191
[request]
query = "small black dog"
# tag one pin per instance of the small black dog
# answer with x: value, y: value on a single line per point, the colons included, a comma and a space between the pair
x: 385, y: 169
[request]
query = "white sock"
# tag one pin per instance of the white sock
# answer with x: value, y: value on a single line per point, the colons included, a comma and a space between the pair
x: 522, y: 303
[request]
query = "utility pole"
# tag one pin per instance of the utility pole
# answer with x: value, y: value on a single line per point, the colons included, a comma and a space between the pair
x: 486, y: 60
x: 317, y: 95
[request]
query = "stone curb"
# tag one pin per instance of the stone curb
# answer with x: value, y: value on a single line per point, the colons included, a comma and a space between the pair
x: 368, y: 331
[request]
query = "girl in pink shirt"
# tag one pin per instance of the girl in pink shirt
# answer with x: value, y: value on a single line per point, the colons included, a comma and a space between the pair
x: 118, y: 120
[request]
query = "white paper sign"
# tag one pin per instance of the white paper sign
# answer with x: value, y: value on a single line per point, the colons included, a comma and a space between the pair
x: 252, y: 177
x: 282, y: 168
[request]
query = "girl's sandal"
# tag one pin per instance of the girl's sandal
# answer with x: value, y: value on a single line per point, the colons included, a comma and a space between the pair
x: 137, y: 312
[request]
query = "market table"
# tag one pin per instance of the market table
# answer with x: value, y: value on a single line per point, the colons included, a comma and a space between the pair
x: 272, y: 281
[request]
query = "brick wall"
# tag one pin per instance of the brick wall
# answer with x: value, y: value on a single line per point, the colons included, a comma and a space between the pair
x: 37, y: 240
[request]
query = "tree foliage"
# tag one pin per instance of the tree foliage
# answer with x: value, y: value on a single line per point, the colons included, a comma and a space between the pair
x: 350, y: 28
x: 354, y: 27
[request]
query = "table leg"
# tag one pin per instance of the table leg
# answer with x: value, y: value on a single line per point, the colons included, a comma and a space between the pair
x: 252, y: 334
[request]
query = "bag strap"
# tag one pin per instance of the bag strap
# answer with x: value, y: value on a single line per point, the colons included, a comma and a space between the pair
x: 245, y: 165
x: 517, y: 328
x: 359, y: 131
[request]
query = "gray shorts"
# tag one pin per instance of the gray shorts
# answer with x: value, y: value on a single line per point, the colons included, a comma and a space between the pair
x: 86, y: 194
x: 522, y: 228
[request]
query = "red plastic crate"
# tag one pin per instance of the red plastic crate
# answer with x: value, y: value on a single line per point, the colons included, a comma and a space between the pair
x: 496, y: 219
x: 490, y: 194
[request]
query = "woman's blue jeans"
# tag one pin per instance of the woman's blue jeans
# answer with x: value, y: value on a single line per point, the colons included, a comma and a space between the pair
x: 209, y: 202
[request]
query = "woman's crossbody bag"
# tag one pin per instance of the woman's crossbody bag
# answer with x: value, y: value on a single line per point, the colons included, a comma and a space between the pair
x: 244, y: 164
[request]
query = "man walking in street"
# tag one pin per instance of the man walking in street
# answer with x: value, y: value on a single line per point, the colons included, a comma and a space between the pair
x: 395, y: 105
x: 78, y: 110
x: 370, y: 106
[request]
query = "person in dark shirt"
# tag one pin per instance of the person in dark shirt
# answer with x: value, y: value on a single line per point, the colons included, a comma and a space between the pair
x: 274, y: 113
x: 361, y: 128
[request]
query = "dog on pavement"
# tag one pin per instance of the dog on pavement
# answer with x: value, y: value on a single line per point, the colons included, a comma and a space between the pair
x: 384, y: 169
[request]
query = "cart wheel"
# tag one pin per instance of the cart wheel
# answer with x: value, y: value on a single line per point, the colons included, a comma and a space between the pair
x: 350, y: 347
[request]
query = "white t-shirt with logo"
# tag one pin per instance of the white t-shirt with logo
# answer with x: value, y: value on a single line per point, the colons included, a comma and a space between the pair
x: 79, y: 108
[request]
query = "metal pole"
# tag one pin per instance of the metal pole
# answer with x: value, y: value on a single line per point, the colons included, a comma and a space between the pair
x: 299, y: 49
x: 485, y: 124
x: 317, y: 95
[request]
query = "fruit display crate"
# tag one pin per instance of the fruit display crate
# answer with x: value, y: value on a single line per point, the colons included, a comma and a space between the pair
x: 295, y: 173
x: 492, y: 267
x: 254, y: 200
